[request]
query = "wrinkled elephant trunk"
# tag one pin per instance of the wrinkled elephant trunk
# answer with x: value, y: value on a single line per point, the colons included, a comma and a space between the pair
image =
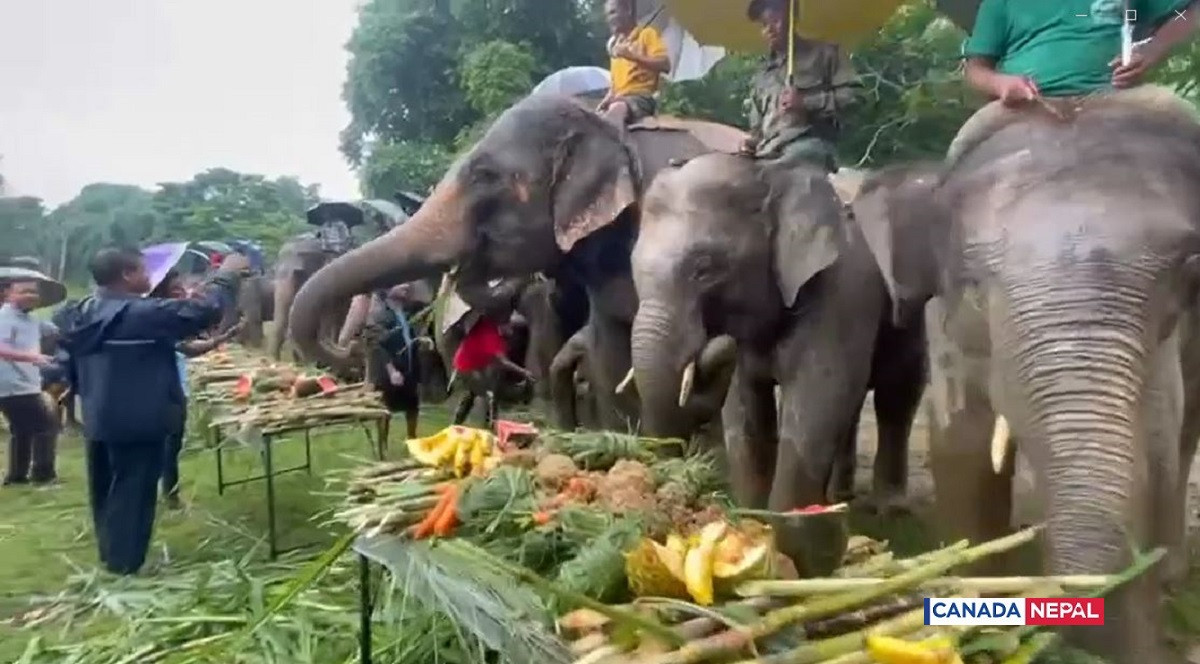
x: 1077, y: 354
x: 666, y: 344
x: 430, y: 242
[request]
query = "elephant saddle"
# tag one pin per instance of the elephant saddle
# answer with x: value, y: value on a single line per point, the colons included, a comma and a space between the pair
x: 729, y: 140
x: 718, y: 137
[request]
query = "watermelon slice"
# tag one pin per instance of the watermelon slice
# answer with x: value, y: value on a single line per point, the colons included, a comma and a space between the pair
x: 243, y: 387
x: 506, y: 429
x: 328, y: 385
x: 818, y: 509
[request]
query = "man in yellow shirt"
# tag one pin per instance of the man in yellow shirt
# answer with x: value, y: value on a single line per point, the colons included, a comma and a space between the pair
x: 638, y: 59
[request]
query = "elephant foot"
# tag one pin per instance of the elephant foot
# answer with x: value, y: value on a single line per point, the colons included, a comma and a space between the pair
x: 885, y: 504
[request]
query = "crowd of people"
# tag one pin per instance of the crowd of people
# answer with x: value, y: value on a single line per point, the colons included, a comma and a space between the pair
x: 122, y: 358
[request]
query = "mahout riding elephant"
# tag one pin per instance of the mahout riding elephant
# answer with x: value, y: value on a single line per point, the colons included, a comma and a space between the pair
x: 305, y: 254
x: 731, y: 247
x: 1060, y: 258
x: 550, y: 188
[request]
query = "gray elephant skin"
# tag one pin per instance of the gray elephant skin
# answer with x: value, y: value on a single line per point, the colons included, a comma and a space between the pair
x: 1060, y: 264
x: 550, y: 188
x: 731, y: 247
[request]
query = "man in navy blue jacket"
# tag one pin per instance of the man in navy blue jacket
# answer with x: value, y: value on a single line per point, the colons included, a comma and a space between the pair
x: 123, y: 367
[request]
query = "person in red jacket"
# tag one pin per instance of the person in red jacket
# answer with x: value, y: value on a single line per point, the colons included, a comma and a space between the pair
x: 481, y: 359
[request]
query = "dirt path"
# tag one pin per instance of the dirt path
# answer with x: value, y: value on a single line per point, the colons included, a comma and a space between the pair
x: 920, y: 482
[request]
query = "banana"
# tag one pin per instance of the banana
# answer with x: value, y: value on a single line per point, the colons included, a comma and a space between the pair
x: 462, y: 452
x: 698, y: 563
x: 890, y: 650
x: 480, y: 447
x: 428, y: 450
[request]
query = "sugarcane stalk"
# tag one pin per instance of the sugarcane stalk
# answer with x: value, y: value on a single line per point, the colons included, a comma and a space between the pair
x: 860, y: 618
x: 885, y: 564
x: 818, y: 651
x: 998, y: 585
x: 734, y: 641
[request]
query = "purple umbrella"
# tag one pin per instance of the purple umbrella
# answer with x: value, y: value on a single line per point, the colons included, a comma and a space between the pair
x: 160, y: 258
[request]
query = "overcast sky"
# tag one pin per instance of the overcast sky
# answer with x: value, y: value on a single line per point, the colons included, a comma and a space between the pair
x: 146, y: 91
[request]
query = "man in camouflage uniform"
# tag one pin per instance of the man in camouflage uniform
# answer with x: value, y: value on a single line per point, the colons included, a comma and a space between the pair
x: 797, y: 121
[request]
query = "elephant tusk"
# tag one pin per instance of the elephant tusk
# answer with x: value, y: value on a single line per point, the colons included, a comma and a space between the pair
x: 625, y: 382
x: 1001, y: 437
x: 685, y: 385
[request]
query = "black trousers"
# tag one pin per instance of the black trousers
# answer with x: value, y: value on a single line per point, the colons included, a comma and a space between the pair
x: 34, y: 437
x: 170, y: 468
x: 123, y: 490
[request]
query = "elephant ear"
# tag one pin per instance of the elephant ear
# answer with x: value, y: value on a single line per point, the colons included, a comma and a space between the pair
x: 897, y: 212
x: 593, y: 183
x: 809, y: 233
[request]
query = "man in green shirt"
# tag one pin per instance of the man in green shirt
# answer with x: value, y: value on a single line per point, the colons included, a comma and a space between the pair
x: 1024, y: 50
x: 797, y: 120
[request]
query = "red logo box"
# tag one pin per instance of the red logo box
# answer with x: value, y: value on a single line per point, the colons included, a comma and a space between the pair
x: 1064, y: 611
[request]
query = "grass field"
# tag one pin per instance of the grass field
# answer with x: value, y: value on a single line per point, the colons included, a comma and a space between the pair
x: 47, y: 555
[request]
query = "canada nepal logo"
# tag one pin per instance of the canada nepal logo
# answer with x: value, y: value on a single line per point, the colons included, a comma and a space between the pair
x: 1014, y: 611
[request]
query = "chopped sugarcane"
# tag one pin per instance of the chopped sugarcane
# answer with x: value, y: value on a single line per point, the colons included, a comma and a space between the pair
x: 731, y: 642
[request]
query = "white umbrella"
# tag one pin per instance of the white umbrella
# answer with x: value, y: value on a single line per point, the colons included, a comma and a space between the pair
x: 689, y: 59
x: 573, y: 81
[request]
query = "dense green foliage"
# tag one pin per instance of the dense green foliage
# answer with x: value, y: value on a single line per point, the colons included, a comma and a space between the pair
x: 217, y: 204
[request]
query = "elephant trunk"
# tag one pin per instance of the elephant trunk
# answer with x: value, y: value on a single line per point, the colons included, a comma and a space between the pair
x: 665, y: 343
x: 1078, y: 353
x: 1083, y: 384
x: 430, y: 242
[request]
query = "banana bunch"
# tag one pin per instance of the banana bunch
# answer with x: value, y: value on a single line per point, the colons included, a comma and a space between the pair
x: 460, y: 449
x: 934, y: 650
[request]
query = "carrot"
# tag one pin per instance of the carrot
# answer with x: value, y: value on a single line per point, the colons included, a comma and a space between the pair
x: 542, y: 518
x: 426, y: 526
x: 448, y: 519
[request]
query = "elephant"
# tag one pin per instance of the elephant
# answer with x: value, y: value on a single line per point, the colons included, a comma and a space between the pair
x: 551, y: 188
x: 305, y: 254
x: 1057, y: 263
x: 736, y: 248
x: 256, y: 306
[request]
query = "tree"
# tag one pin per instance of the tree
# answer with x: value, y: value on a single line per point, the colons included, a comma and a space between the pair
x: 224, y: 204
x: 720, y: 96
x: 22, y: 225
x: 495, y: 74
x: 100, y: 215
x: 405, y: 82
x: 404, y: 166
x: 402, y: 78
x: 915, y: 99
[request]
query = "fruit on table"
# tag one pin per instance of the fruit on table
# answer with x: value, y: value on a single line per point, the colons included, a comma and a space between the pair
x: 890, y: 650
x: 655, y: 570
x: 698, y: 563
x: 243, y: 388
x: 745, y: 553
x: 717, y: 557
x: 462, y: 449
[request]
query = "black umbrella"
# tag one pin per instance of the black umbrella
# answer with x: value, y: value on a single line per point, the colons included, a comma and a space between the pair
x: 323, y: 213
